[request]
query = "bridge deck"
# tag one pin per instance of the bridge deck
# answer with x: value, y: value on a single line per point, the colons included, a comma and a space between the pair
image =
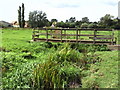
x: 73, y: 40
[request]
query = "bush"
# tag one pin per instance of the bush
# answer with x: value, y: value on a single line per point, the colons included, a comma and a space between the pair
x: 72, y: 25
x: 16, y: 72
x: 84, y: 25
x: 21, y: 77
x: 11, y: 60
x: 92, y: 25
x: 88, y: 47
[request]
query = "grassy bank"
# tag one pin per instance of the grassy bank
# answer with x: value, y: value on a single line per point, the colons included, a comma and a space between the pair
x: 55, y: 65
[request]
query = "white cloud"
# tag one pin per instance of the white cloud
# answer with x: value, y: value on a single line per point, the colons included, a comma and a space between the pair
x: 60, y: 9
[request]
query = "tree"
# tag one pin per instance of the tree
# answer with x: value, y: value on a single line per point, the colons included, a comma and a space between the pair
x: 72, y: 25
x: 19, y: 16
x: 106, y: 21
x: 78, y: 23
x: 116, y: 23
x: 61, y: 24
x: 37, y: 19
x: 53, y: 21
x: 23, y: 21
x: 67, y: 21
x: 72, y: 19
x: 85, y: 20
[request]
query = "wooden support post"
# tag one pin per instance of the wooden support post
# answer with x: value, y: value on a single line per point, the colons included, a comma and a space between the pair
x: 51, y: 33
x: 79, y: 35
x: 33, y: 36
x: 61, y: 35
x: 46, y: 35
x: 65, y: 34
x: 37, y: 33
x: 112, y: 37
x: 76, y: 35
x: 95, y: 31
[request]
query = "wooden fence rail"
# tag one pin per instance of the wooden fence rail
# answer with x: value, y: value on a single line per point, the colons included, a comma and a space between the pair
x: 60, y: 35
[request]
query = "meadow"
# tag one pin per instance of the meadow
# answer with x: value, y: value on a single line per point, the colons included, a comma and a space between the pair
x: 55, y: 65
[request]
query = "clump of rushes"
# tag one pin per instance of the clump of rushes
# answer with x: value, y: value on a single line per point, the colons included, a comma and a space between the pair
x: 62, y: 69
x: 52, y: 74
x: 59, y: 71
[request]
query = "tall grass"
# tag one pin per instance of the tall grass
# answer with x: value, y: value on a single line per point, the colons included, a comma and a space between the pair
x: 62, y: 69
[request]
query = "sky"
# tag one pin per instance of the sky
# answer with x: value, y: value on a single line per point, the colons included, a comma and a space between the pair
x: 60, y: 9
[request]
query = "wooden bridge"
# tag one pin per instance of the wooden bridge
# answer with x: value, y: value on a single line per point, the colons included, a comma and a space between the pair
x: 94, y: 36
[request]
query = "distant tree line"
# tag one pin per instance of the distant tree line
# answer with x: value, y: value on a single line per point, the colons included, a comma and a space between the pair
x: 106, y: 21
x: 39, y: 19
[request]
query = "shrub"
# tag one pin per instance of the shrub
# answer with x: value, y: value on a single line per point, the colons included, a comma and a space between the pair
x: 19, y: 78
x: 84, y: 25
x: 16, y: 72
x: 27, y: 55
x: 90, y: 82
x: 92, y: 25
x: 11, y: 60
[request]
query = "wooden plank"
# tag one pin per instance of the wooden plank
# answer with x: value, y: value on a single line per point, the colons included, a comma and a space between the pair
x: 100, y: 38
x: 71, y: 34
x: 104, y: 29
x: 72, y: 40
x: 35, y: 35
x: 91, y: 35
x: 75, y: 29
x: 103, y: 38
x: 114, y: 47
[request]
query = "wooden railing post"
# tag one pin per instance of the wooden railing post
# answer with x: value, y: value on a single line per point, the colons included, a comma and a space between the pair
x: 95, y: 31
x: 46, y: 35
x: 33, y: 30
x: 79, y: 35
x: 112, y: 37
x: 61, y: 35
x: 65, y: 34
x: 76, y: 35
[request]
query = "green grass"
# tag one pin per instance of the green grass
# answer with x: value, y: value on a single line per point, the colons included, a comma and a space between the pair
x: 103, y: 74
x: 15, y: 38
x: 40, y: 64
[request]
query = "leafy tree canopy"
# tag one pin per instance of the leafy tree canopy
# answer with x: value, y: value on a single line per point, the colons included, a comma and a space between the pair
x: 37, y: 19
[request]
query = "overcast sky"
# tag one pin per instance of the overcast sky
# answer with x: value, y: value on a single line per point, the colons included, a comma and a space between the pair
x: 60, y: 9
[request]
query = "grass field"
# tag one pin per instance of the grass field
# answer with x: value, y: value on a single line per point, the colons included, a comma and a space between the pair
x: 55, y: 65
